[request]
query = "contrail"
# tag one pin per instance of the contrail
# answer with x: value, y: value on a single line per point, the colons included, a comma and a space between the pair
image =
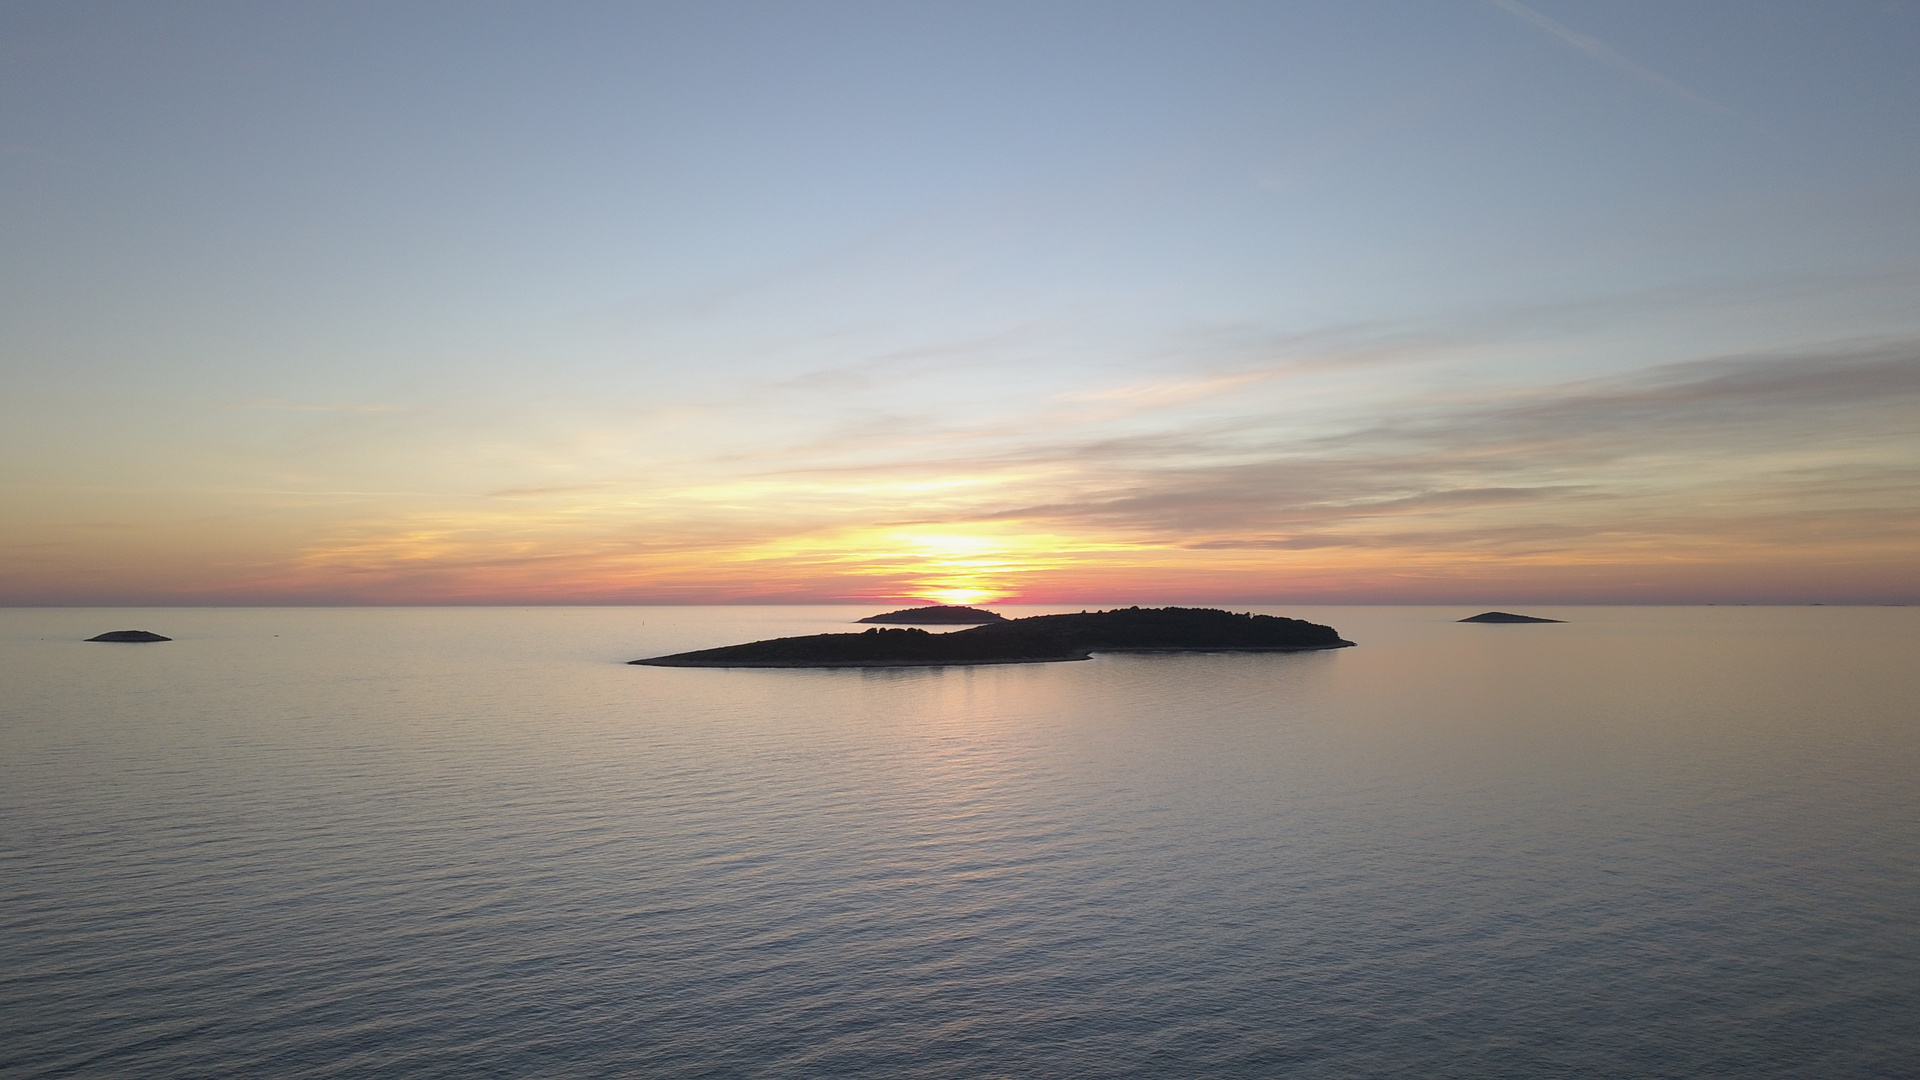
x: 1611, y: 57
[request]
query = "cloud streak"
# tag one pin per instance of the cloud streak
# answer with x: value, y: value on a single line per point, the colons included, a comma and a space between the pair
x: 1740, y: 416
x: 1761, y: 460
x: 1460, y: 455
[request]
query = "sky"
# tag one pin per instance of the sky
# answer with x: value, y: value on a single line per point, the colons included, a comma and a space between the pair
x: 1367, y: 301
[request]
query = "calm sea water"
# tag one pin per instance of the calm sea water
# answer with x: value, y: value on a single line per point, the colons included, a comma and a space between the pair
x: 471, y: 842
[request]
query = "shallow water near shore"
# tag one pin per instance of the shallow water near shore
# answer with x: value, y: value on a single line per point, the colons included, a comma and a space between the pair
x: 1647, y: 842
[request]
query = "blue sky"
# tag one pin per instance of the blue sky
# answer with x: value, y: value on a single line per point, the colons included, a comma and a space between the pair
x: 720, y: 301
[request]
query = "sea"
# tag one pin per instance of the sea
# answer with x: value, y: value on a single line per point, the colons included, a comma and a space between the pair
x: 474, y: 842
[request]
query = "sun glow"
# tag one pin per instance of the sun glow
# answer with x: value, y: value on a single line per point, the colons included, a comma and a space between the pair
x: 942, y: 565
x: 958, y: 568
x: 959, y: 597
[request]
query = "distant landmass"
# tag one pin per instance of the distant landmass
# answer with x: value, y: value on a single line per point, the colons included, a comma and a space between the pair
x: 939, y: 615
x: 1036, y: 639
x: 129, y: 635
x: 1505, y: 616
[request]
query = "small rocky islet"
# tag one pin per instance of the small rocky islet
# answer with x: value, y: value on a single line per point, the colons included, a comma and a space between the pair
x: 937, y: 615
x: 1505, y: 617
x: 1033, y: 640
x: 129, y: 636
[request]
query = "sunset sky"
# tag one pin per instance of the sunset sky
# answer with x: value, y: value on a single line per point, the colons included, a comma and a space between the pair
x: 1349, y: 301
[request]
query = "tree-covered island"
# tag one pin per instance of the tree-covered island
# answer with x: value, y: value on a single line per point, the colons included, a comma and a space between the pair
x: 1037, y: 639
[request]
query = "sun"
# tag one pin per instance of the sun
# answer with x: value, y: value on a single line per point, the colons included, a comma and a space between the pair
x: 959, y: 596
x: 956, y: 568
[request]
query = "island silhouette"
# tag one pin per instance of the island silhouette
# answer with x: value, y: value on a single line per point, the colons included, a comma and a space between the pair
x: 129, y: 636
x: 938, y: 615
x: 1032, y: 640
x: 1504, y: 617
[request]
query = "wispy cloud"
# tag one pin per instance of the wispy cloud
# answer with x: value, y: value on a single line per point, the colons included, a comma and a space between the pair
x: 1698, y: 460
x: 312, y: 406
x: 20, y: 150
x: 1224, y: 476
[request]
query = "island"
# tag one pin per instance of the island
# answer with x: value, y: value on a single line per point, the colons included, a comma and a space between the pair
x: 129, y: 635
x: 1036, y: 639
x: 939, y: 615
x: 1505, y: 617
